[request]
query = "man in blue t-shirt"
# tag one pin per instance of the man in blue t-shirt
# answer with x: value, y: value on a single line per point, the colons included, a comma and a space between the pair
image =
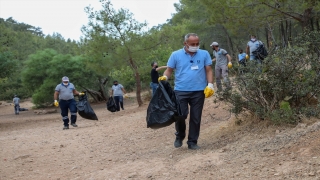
x: 65, y: 91
x: 252, y: 45
x: 193, y: 82
x: 118, y: 91
x: 223, y: 59
x: 16, y: 102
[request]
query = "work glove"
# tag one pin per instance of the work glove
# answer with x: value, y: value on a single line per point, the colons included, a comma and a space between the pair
x: 126, y: 96
x: 247, y: 57
x: 82, y: 94
x: 56, y: 104
x: 229, y: 65
x: 163, y: 78
x: 209, y: 90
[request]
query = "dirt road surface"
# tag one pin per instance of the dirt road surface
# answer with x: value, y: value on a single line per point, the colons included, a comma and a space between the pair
x: 120, y: 146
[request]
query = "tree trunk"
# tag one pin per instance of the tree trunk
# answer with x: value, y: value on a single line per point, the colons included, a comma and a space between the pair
x: 138, y: 80
x: 102, y: 89
x: 230, y: 45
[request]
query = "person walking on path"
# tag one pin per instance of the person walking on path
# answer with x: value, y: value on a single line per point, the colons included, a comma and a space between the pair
x: 223, y: 62
x: 193, y: 82
x: 16, y: 103
x: 117, y: 92
x: 155, y: 76
x: 65, y: 91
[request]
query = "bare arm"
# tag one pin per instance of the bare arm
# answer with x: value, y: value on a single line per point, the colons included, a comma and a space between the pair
x: 229, y: 57
x: 111, y: 93
x: 56, y: 95
x: 162, y: 67
x: 168, y: 72
x: 248, y: 50
x: 124, y: 91
x: 209, y: 74
x: 75, y: 92
x: 214, y: 59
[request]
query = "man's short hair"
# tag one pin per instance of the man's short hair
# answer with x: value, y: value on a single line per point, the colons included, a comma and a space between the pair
x: 186, y: 37
x: 115, y: 81
x: 153, y: 63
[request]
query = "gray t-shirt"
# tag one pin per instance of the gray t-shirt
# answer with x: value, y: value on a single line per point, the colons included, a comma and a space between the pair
x: 221, y: 57
x: 253, y: 45
x: 117, y: 90
x: 65, y: 92
x: 16, y: 100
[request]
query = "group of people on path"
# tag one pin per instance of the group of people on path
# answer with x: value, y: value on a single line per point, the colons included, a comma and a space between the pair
x: 194, y: 81
x: 192, y: 84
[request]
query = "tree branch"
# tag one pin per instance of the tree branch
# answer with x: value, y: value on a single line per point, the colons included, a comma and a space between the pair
x: 285, y: 13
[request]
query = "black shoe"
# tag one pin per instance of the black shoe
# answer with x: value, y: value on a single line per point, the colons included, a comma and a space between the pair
x: 178, y: 143
x: 193, y: 146
x: 74, y: 125
x: 122, y: 108
x: 65, y: 127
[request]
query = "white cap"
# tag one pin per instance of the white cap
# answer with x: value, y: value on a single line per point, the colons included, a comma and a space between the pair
x: 65, y: 78
x: 214, y: 44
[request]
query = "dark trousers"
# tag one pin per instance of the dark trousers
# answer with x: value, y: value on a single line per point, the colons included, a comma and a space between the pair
x: 16, y: 108
x: 196, y: 100
x: 119, y: 102
x: 65, y: 105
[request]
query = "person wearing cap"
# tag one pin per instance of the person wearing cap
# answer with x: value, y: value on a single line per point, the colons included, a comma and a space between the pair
x: 16, y: 104
x: 223, y: 62
x: 193, y: 83
x: 66, y: 91
x: 117, y: 92
x: 155, y: 76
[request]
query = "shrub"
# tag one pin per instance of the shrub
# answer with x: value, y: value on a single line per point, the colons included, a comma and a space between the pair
x: 284, y: 87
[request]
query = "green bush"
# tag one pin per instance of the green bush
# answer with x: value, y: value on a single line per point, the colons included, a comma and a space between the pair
x: 284, y: 87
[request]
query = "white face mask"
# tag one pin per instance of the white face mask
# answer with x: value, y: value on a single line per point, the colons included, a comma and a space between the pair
x: 253, y: 39
x: 66, y: 84
x: 193, y: 48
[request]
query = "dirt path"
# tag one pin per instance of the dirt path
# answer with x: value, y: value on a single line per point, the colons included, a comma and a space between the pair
x: 119, y: 146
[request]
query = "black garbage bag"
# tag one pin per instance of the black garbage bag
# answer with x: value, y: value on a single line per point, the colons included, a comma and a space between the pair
x: 84, y: 108
x: 164, y: 107
x: 111, y: 105
x: 23, y: 109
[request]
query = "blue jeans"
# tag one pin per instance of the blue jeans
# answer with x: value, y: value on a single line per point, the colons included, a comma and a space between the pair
x: 65, y: 105
x: 119, y: 102
x: 154, y: 87
x: 16, y: 108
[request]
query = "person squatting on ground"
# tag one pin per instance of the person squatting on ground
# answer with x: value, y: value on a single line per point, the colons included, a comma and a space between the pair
x: 66, y: 91
x: 223, y: 62
x: 193, y: 82
x: 155, y: 76
x: 16, y: 104
x: 117, y: 92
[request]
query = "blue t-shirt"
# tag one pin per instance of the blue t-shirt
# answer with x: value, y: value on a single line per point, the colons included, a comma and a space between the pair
x: 65, y: 92
x: 190, y: 72
x: 117, y: 90
x: 253, y: 45
x: 242, y: 56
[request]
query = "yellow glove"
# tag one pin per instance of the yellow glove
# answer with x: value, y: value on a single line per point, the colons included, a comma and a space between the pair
x: 247, y: 57
x: 126, y: 96
x: 209, y: 90
x: 163, y: 78
x: 56, y: 104
x: 82, y: 94
x: 229, y: 65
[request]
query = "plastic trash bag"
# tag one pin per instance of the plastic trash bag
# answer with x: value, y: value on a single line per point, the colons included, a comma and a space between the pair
x: 84, y: 108
x: 23, y: 109
x: 111, y: 105
x: 164, y: 107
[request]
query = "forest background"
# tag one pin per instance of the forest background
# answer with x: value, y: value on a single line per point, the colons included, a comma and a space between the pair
x: 117, y: 47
